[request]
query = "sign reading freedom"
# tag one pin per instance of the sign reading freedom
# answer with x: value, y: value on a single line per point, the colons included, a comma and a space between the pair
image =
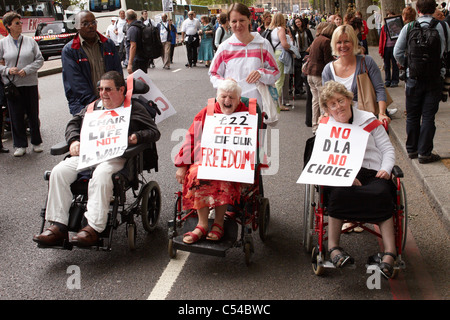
x: 337, y: 155
x: 229, y: 146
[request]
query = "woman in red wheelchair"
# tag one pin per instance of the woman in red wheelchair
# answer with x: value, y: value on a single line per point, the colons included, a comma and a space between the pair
x: 370, y: 198
x: 202, y: 195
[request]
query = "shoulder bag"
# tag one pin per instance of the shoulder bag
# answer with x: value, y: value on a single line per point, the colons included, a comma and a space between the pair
x: 367, y: 97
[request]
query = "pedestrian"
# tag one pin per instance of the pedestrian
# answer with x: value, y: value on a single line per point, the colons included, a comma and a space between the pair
x: 319, y: 56
x: 223, y: 32
x: 206, y: 51
x: 121, y: 26
x: 189, y: 33
x: 425, y: 77
x: 111, y: 32
x: 22, y: 59
x: 84, y: 59
x: 173, y: 38
x: 166, y: 40
x: 245, y: 57
x: 386, y: 51
x: 146, y: 21
x: 137, y: 59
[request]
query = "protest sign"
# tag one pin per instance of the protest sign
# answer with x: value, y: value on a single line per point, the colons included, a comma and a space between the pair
x: 229, y: 146
x: 156, y: 96
x: 337, y: 155
x: 104, y: 135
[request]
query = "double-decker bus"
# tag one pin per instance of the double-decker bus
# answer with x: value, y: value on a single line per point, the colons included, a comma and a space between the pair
x: 33, y: 12
x: 105, y: 9
x: 256, y: 12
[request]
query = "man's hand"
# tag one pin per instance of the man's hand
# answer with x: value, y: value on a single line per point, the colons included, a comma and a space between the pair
x: 74, y: 148
x: 132, y: 139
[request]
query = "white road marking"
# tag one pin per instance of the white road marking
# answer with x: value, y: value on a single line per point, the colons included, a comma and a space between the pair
x: 169, y: 276
x: 176, y: 70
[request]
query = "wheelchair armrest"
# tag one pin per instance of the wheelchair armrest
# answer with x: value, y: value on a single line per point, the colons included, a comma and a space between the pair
x: 59, y: 149
x: 135, y: 150
x: 397, y: 172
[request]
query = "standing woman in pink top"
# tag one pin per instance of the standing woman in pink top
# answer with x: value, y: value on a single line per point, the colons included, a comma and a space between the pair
x: 245, y: 57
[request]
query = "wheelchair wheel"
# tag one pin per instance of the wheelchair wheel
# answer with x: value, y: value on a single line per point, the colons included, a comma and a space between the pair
x: 151, y: 205
x: 263, y: 218
x: 308, y: 217
x: 404, y: 221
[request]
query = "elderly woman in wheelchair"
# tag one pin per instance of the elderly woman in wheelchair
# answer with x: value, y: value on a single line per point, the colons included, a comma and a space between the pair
x: 205, y: 194
x: 370, y: 198
x: 142, y: 129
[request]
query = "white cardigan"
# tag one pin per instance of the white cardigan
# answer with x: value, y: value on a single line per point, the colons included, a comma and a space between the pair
x: 236, y: 60
x: 380, y: 154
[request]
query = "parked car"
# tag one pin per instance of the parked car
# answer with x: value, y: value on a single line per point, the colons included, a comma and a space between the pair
x: 53, y: 36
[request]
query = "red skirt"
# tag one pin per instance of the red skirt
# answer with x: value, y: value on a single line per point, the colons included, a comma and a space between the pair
x: 198, y: 194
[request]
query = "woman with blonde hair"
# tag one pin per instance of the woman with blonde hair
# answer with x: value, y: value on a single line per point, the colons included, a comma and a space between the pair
x: 344, y: 45
x: 280, y: 41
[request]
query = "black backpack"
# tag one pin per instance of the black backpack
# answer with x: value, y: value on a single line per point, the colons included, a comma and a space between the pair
x: 267, y: 35
x: 151, y: 42
x: 424, y: 51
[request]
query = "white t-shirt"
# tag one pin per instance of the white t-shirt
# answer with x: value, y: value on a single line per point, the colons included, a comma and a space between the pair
x: 111, y: 34
x: 163, y: 33
x: 119, y: 25
x: 190, y: 27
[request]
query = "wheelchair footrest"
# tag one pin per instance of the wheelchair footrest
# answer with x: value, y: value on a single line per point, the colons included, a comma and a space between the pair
x: 203, y: 246
x: 65, y: 246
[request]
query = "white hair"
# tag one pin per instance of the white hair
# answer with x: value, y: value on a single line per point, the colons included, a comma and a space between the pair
x: 229, y: 85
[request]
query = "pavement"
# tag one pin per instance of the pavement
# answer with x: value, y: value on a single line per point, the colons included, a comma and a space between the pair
x: 435, y: 177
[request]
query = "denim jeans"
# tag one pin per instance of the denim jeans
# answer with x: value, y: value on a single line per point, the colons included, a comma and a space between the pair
x: 422, y: 104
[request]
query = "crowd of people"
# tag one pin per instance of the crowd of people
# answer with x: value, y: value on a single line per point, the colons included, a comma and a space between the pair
x: 239, y: 53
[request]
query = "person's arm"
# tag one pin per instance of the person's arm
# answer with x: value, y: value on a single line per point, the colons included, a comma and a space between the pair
x: 269, y: 71
x: 283, y: 39
x: 131, y: 56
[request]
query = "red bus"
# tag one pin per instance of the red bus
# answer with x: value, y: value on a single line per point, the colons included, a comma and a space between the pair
x: 33, y: 12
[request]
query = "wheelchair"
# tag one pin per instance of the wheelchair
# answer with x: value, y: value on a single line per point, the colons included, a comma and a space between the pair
x: 252, y: 214
x: 146, y: 195
x: 315, y: 221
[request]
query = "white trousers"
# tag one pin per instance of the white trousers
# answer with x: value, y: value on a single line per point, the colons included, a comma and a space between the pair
x: 100, y: 191
x: 315, y: 83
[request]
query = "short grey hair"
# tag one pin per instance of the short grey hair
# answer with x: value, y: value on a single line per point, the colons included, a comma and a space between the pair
x: 229, y: 85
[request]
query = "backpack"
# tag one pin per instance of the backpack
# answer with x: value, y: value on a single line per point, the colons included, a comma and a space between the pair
x: 267, y: 35
x: 151, y: 42
x: 424, y: 51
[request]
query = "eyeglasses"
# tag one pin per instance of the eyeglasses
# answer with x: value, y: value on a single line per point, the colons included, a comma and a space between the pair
x: 106, y: 89
x: 341, y: 102
x: 89, y: 24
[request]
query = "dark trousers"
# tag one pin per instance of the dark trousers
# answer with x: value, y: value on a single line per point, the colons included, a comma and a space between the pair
x: 389, y: 61
x: 191, y: 53
x: 422, y: 104
x: 172, y: 49
x: 26, y: 104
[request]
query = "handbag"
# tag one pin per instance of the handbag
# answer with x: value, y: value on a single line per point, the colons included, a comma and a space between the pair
x: 10, y: 89
x: 269, y: 95
x: 367, y: 97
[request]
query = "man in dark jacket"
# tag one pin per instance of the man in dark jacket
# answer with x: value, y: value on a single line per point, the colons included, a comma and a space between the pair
x: 84, y: 60
x: 142, y: 129
x: 136, y: 59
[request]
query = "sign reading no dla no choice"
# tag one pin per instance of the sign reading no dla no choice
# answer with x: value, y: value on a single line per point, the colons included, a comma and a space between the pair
x: 337, y: 155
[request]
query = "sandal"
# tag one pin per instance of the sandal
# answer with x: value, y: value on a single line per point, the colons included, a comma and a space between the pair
x: 194, y: 236
x: 283, y: 108
x: 386, y: 269
x: 219, y: 234
x: 340, y: 259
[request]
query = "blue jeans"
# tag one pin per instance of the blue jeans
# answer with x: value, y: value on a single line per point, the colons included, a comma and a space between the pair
x: 422, y: 104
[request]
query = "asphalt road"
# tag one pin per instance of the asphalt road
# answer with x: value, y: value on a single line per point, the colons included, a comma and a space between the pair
x: 280, y: 268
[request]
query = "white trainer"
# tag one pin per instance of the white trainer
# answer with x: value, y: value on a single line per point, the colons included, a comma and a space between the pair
x: 20, y: 152
x: 39, y: 148
x: 392, y: 111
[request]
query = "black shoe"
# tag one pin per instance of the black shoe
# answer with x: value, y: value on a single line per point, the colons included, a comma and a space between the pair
x: 194, y: 65
x: 428, y: 159
x: 3, y: 150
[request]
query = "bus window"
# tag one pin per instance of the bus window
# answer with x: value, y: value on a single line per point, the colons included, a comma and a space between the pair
x: 104, y: 5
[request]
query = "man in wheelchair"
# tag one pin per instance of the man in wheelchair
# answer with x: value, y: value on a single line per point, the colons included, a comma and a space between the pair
x: 142, y: 129
x: 370, y: 199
